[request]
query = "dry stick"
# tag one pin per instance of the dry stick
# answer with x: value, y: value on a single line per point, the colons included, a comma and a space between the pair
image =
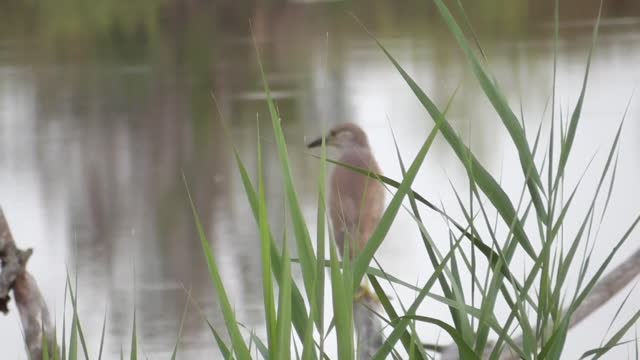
x: 606, y: 288
x: 34, y: 314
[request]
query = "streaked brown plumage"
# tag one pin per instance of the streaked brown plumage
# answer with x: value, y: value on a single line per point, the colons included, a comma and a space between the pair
x: 356, y: 201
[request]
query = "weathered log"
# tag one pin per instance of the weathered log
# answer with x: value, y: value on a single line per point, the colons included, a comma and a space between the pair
x: 13, y: 262
x: 34, y: 314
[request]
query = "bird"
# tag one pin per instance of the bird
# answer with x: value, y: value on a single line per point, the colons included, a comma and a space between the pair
x: 356, y: 201
x: 356, y: 204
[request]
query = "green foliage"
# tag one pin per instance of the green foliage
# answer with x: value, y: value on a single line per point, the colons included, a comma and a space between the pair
x: 134, y: 340
x: 542, y: 305
x: 239, y: 345
x: 543, y: 291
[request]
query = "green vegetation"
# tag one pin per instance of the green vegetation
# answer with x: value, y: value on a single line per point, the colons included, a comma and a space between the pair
x: 542, y: 305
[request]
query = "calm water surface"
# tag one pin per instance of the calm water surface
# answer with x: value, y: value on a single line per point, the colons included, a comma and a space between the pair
x: 101, y: 111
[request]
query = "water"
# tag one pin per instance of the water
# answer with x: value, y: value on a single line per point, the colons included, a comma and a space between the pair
x: 102, y: 111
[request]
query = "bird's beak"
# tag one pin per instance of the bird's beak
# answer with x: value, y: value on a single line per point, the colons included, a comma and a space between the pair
x: 315, y: 143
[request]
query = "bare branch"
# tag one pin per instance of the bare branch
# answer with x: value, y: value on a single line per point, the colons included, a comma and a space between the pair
x: 34, y: 314
x: 13, y: 262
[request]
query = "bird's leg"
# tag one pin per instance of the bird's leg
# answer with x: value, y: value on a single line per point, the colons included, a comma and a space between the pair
x: 364, y: 294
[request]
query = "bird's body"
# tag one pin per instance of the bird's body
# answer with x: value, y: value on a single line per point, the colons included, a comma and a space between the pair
x: 356, y: 201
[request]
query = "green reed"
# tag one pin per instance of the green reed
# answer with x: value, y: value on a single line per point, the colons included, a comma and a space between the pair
x: 540, y: 302
x: 541, y: 306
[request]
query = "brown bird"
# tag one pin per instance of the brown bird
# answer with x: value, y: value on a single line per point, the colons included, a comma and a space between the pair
x: 356, y: 202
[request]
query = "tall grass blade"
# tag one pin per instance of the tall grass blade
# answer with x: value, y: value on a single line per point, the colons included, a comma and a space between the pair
x: 486, y: 250
x: 224, y: 350
x: 399, y: 327
x: 265, y: 251
x: 77, y: 318
x: 615, y: 339
x: 473, y: 33
x: 483, y: 178
x: 496, y: 285
x: 174, y: 353
x: 104, y: 326
x: 260, y: 346
x: 554, y: 345
x: 405, y: 337
x: 299, y: 315
x: 637, y: 343
x: 565, y: 264
x: 63, y: 354
x: 134, y: 340
x: 464, y: 349
x: 302, y: 237
x: 363, y: 260
x: 498, y: 101
x: 56, y: 350
x: 603, y: 266
x: 592, y: 352
x: 73, y: 340
x: 577, y: 111
x: 283, y: 328
x: 615, y: 316
x: 239, y: 346
x: 316, y: 304
x: 45, y: 343
x: 556, y: 26
x: 342, y: 304
x: 320, y: 238
x: 308, y: 349
x: 458, y: 317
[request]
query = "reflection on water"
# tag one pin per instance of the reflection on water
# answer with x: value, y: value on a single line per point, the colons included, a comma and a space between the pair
x: 102, y: 111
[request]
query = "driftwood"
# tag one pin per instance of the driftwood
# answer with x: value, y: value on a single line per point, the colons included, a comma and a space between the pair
x: 34, y: 314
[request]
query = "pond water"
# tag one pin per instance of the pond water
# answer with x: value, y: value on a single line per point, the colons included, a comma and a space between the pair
x: 103, y: 109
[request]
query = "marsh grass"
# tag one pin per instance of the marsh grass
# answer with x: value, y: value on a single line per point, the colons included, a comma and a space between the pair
x: 542, y: 304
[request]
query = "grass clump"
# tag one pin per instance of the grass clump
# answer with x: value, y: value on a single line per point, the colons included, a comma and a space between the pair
x: 542, y: 307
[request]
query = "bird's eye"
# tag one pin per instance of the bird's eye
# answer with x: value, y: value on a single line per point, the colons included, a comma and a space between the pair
x: 332, y: 133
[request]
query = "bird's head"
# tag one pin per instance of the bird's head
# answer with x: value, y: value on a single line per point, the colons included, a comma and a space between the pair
x: 347, y: 135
